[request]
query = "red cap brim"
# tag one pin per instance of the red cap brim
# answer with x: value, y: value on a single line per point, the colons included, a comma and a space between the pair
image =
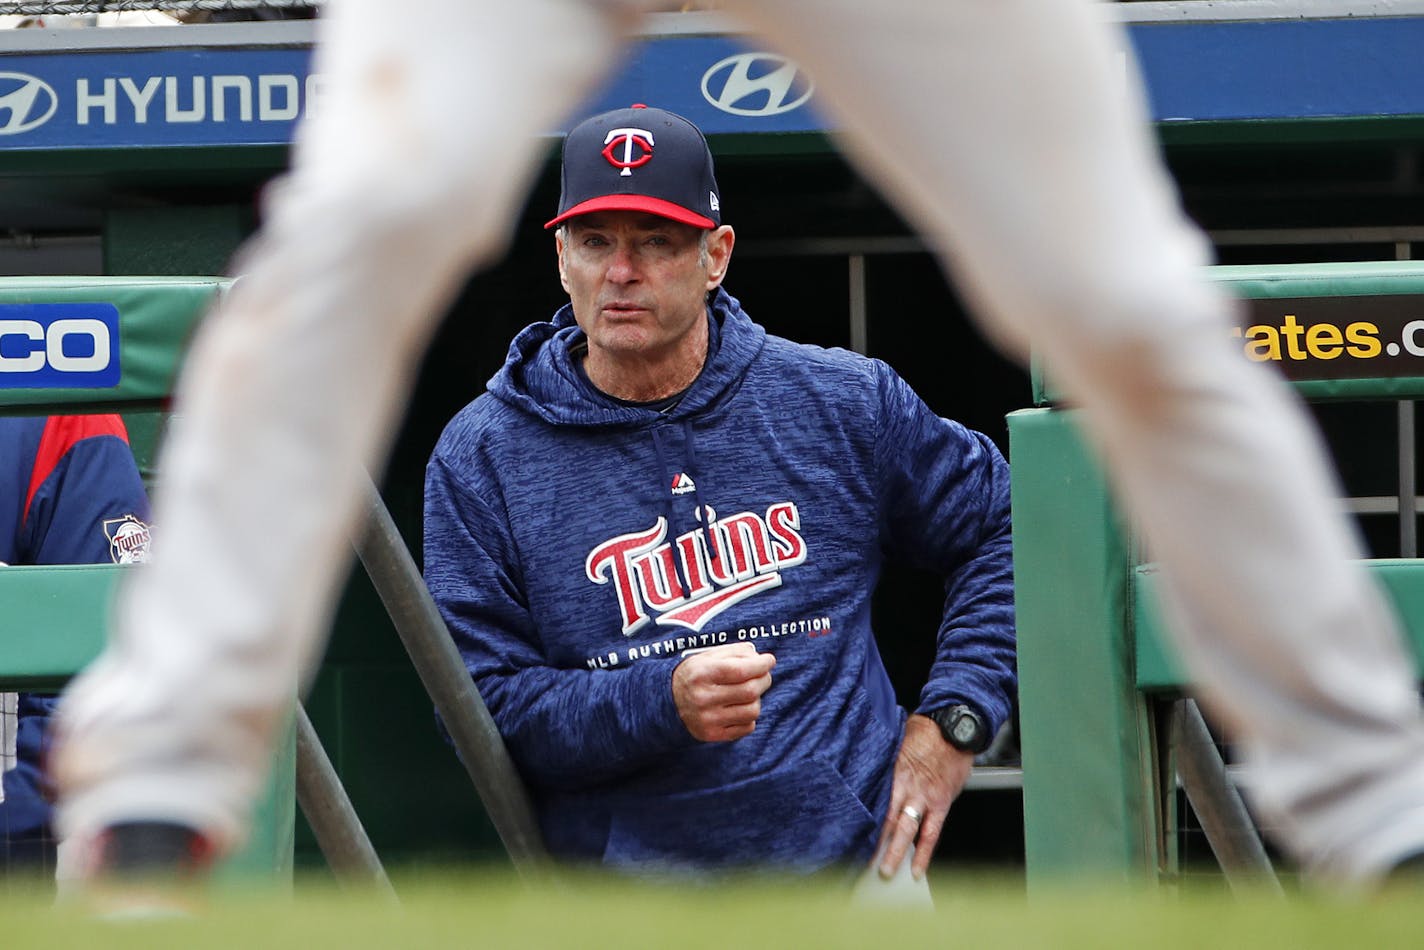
x: 657, y: 206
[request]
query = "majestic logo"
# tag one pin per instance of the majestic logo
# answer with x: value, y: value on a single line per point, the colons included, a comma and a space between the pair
x: 756, y: 84
x: 59, y: 345
x: 626, y: 140
x: 25, y: 103
x: 682, y: 484
x: 721, y: 564
x: 128, y: 540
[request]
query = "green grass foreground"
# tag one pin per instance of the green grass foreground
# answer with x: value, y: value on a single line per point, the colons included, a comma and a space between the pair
x: 495, y: 910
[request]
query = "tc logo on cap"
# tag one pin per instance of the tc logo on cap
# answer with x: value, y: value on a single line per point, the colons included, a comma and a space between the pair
x: 629, y: 139
x: 601, y: 152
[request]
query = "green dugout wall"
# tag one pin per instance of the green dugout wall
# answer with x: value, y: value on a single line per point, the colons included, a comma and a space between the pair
x: 1095, y: 665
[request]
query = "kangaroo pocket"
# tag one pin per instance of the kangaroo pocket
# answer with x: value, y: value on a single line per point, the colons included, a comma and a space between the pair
x: 801, y: 817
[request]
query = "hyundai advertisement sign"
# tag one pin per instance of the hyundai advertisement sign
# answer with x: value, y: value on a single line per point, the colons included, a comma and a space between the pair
x: 153, y: 98
x: 203, y: 96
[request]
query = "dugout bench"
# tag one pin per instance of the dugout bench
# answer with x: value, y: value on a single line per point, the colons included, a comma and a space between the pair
x: 53, y: 619
x: 1096, y: 671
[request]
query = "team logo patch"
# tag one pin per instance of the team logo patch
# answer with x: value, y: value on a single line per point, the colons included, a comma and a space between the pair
x: 128, y: 540
x: 619, y: 146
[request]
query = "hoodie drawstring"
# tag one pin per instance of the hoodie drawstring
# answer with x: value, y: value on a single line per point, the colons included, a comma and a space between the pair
x: 668, y: 477
x: 704, y: 513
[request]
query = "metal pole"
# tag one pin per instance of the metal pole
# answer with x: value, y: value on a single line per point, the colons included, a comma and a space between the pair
x: 1408, y: 520
x: 333, y: 820
x: 1228, y: 826
x: 427, y: 640
x: 859, y: 317
x: 1408, y: 514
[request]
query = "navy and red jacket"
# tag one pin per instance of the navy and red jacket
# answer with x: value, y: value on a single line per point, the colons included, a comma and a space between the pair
x: 70, y: 493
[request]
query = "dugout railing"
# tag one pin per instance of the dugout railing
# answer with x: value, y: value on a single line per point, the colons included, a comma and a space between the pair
x: 1098, y: 679
x: 54, y: 618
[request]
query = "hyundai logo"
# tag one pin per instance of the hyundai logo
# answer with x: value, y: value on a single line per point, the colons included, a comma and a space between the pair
x: 27, y: 105
x: 756, y: 84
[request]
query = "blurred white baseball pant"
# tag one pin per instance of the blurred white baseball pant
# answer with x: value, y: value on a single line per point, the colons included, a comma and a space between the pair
x: 1001, y: 129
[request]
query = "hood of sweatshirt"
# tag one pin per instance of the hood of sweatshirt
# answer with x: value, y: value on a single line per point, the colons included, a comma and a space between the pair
x: 540, y: 376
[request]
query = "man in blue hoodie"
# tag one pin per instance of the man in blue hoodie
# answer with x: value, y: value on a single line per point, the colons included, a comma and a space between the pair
x: 655, y: 540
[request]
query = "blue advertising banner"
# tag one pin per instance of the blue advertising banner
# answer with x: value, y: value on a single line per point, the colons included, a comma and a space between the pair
x: 165, y: 97
x: 59, y: 346
x: 195, y: 96
x: 1282, y: 69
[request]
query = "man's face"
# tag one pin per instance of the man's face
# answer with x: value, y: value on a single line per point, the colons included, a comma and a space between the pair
x: 638, y: 282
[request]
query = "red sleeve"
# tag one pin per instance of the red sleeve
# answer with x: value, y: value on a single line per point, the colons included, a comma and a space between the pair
x: 61, y: 433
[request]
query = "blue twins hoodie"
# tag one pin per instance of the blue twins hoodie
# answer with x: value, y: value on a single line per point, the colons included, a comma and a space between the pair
x: 577, y: 546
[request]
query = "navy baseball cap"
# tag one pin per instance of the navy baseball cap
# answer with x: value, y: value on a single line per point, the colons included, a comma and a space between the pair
x: 639, y: 159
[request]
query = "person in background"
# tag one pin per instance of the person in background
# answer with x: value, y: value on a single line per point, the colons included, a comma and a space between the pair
x: 70, y: 493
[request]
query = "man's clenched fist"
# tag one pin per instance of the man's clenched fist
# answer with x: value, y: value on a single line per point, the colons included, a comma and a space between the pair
x: 718, y: 691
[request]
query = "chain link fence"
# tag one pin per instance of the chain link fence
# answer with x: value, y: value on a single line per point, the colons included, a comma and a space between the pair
x: 83, y: 7
x: 90, y: 7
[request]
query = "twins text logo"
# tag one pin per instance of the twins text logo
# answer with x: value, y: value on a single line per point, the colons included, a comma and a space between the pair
x: 722, y: 563
x: 128, y: 539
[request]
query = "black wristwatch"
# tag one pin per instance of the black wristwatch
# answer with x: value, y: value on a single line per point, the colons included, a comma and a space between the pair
x: 962, y: 728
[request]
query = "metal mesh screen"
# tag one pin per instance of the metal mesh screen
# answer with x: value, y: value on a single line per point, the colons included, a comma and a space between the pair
x: 40, y: 7
x: 8, y: 721
x: 27, y: 843
x: 69, y: 7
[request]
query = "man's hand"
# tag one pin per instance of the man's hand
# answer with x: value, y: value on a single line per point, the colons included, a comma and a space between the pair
x: 718, y: 691
x: 929, y: 774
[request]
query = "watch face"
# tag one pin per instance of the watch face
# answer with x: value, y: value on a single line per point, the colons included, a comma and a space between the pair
x: 965, y: 730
